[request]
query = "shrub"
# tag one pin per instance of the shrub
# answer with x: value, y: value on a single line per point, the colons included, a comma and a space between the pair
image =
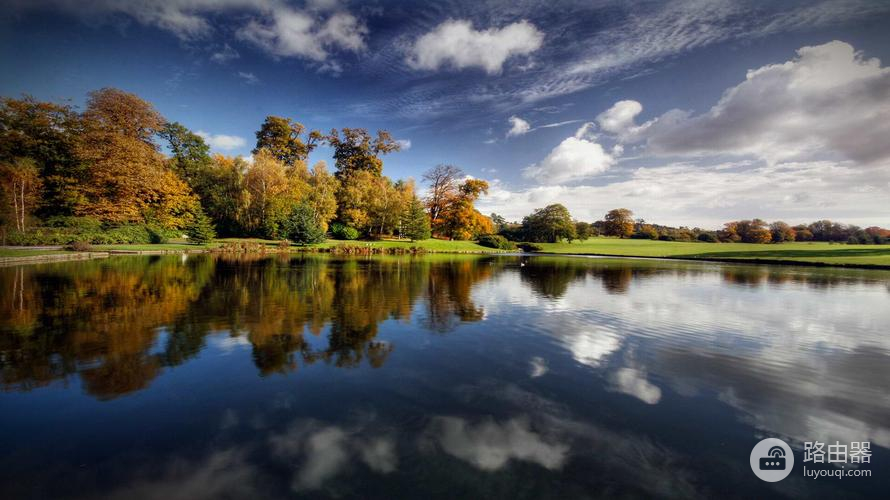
x: 80, y: 246
x: 343, y: 232
x: 496, y: 241
x: 157, y: 235
x: 708, y: 237
x: 530, y: 247
x: 82, y: 224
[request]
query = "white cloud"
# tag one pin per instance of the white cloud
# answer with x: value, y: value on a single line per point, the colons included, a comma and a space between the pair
x: 518, y: 126
x: 224, y: 55
x: 456, y: 43
x: 222, y: 141
x: 489, y: 445
x: 829, y: 99
x: 290, y: 32
x: 709, y: 194
x: 249, y: 78
x: 619, y: 119
x: 576, y: 157
x: 272, y: 25
x: 405, y: 144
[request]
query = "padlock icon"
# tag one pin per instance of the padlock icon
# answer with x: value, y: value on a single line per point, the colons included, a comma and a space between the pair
x: 775, y: 459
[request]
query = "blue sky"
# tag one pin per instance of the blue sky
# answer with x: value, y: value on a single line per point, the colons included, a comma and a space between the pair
x: 688, y: 112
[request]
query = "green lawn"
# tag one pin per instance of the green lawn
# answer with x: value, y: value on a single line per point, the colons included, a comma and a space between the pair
x: 817, y: 252
x: 823, y: 253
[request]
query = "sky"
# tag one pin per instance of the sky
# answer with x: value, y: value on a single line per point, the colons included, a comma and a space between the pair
x: 687, y: 112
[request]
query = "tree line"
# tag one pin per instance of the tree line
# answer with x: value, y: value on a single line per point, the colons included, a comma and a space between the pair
x: 101, y: 175
x: 554, y: 223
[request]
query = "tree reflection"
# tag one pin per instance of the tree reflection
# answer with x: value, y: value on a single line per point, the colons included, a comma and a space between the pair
x: 117, y: 323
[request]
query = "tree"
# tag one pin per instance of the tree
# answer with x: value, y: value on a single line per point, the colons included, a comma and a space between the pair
x: 499, y: 222
x: 357, y: 151
x: 781, y: 232
x: 459, y: 219
x: 269, y: 193
x: 45, y: 132
x: 225, y: 198
x: 322, y: 195
x: 619, y: 222
x: 282, y: 138
x: 190, y: 155
x: 583, y: 230
x: 301, y: 227
x: 552, y: 224
x: 200, y: 230
x: 443, y: 190
x: 126, y: 178
x: 416, y: 224
x: 21, y: 184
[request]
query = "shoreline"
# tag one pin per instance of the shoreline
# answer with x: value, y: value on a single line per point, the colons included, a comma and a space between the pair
x: 74, y: 256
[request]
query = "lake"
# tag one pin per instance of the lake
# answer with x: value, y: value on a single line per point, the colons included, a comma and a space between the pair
x: 443, y: 376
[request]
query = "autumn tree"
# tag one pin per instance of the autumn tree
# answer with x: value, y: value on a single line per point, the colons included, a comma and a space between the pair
x: 443, y: 189
x: 270, y: 199
x: 355, y: 150
x: 283, y: 139
x: 619, y: 222
x: 321, y: 198
x: 224, y: 196
x: 21, y: 184
x: 459, y: 219
x: 127, y: 179
x: 781, y: 232
x: 552, y: 224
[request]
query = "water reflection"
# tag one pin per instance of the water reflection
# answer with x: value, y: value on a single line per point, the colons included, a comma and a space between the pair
x: 403, y: 377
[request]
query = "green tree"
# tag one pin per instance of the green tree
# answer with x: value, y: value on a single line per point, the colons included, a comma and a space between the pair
x: 355, y: 150
x: 200, y: 230
x: 190, y: 155
x: 583, y: 230
x: 619, y: 222
x: 499, y: 222
x: 416, y: 223
x: 283, y: 139
x: 552, y: 223
x: 301, y: 227
x: 46, y: 133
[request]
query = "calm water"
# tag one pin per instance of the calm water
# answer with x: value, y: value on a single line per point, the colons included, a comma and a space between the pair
x: 435, y: 377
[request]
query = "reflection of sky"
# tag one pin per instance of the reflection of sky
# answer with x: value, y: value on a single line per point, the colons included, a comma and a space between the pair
x: 802, y: 362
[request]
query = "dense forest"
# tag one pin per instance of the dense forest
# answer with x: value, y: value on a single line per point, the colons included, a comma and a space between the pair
x: 119, y: 172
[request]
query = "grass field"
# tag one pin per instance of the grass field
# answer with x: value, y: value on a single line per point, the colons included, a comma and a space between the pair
x: 807, y: 253
x: 816, y: 252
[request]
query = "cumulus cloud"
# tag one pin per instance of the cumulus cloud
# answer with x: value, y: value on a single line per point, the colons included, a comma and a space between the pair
x: 458, y: 44
x: 222, y: 141
x: 708, y: 194
x: 290, y: 32
x: 518, y: 126
x: 576, y: 157
x: 829, y: 99
x: 405, y: 144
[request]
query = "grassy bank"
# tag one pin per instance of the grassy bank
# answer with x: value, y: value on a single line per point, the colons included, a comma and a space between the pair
x: 785, y: 253
x: 806, y: 253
